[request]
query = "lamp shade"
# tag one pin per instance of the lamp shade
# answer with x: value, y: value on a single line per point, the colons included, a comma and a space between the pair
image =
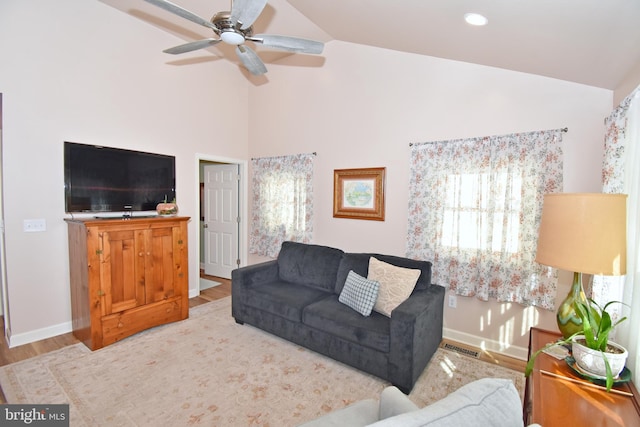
x: 584, y: 232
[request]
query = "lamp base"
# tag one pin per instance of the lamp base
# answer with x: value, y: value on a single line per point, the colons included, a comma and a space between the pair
x: 568, y: 320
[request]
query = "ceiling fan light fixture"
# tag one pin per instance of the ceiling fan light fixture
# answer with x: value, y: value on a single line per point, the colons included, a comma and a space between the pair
x: 475, y: 19
x: 235, y: 27
x: 231, y: 37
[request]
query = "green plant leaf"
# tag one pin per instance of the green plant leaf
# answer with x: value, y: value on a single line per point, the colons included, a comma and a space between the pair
x: 587, y: 328
x: 532, y: 359
x: 609, y: 373
x: 603, y: 332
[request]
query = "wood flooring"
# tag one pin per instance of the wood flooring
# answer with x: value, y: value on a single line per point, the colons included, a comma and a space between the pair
x: 16, y: 354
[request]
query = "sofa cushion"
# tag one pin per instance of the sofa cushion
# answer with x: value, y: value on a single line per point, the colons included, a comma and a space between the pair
x: 489, y: 402
x: 359, y: 262
x: 396, y: 284
x: 283, y: 299
x: 359, y: 293
x: 394, y: 402
x: 310, y: 265
x: 330, y: 316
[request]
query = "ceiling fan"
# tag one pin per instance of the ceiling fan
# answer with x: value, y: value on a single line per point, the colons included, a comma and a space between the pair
x: 234, y: 28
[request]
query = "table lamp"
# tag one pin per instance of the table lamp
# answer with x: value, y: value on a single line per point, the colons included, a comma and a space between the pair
x: 582, y: 233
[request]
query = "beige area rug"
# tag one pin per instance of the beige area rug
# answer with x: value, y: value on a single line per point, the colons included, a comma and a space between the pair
x: 209, y: 371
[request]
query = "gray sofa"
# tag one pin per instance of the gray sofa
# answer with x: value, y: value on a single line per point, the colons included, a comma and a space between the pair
x: 489, y: 402
x: 296, y: 297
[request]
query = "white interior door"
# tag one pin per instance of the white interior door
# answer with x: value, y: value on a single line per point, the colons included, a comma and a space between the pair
x: 221, y: 222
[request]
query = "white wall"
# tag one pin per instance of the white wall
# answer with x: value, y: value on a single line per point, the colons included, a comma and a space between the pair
x: 365, y: 105
x: 82, y: 71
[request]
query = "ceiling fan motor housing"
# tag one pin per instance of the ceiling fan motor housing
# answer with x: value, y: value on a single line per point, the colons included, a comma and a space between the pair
x: 228, y: 32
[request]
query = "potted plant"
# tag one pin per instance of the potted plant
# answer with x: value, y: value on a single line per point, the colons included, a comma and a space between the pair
x: 590, y: 347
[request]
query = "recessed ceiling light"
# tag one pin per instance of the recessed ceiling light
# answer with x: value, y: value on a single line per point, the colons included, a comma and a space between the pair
x: 475, y: 19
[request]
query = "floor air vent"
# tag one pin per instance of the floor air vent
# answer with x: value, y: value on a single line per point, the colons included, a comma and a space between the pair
x: 465, y: 351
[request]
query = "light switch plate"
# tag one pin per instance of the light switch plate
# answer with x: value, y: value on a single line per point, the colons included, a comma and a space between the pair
x: 453, y: 301
x: 33, y: 225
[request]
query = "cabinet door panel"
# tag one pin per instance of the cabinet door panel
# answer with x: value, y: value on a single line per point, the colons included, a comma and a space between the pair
x: 122, y: 269
x: 159, y: 266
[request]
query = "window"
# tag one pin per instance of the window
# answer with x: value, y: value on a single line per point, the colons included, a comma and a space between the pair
x: 474, y: 212
x: 471, y: 222
x: 282, y: 202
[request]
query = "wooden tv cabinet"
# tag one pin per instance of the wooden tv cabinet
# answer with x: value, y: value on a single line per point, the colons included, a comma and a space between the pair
x: 127, y: 275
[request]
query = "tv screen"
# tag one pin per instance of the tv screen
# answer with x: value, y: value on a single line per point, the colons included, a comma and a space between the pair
x: 103, y: 179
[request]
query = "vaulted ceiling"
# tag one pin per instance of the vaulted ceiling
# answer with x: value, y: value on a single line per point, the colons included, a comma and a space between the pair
x: 593, y: 42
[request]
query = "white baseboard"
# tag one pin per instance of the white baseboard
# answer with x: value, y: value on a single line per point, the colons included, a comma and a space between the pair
x: 484, y: 344
x: 15, y: 340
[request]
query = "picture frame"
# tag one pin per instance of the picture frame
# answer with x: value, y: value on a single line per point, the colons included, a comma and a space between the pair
x: 359, y: 193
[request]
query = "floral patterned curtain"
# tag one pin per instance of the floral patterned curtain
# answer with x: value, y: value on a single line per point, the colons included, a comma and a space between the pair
x: 282, y: 202
x: 617, y: 140
x: 474, y: 211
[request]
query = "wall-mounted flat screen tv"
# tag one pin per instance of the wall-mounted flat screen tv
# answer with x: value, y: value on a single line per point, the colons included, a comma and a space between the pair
x: 103, y: 179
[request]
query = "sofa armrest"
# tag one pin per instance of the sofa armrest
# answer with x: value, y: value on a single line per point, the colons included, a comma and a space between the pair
x: 394, y: 402
x: 255, y: 274
x: 359, y: 414
x: 364, y: 412
x: 415, y: 334
x: 246, y: 277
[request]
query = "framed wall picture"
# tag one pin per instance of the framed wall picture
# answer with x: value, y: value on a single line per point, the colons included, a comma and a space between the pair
x: 359, y: 193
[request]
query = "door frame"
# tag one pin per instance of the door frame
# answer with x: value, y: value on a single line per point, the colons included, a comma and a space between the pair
x: 4, y: 294
x: 243, y: 226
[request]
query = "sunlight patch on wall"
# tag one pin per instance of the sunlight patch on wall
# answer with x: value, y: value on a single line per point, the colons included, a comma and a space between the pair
x: 530, y: 318
x: 506, y: 333
x: 485, y: 321
x: 505, y: 307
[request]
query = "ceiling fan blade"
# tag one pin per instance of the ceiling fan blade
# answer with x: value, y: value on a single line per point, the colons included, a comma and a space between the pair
x: 250, y: 60
x: 291, y: 44
x: 188, y: 47
x: 246, y: 11
x: 184, y: 13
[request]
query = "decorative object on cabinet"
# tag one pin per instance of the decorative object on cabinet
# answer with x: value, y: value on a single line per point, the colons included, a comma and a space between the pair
x: 583, y: 233
x: 556, y: 395
x: 126, y: 276
x: 167, y: 209
x: 592, y: 352
x: 359, y: 193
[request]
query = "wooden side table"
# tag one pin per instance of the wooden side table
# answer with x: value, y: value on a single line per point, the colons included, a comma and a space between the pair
x: 556, y: 396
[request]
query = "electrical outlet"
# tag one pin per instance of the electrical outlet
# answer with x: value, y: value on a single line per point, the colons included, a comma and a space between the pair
x: 33, y: 225
x: 453, y: 301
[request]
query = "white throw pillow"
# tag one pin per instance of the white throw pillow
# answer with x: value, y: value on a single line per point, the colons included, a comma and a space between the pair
x: 396, y: 284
